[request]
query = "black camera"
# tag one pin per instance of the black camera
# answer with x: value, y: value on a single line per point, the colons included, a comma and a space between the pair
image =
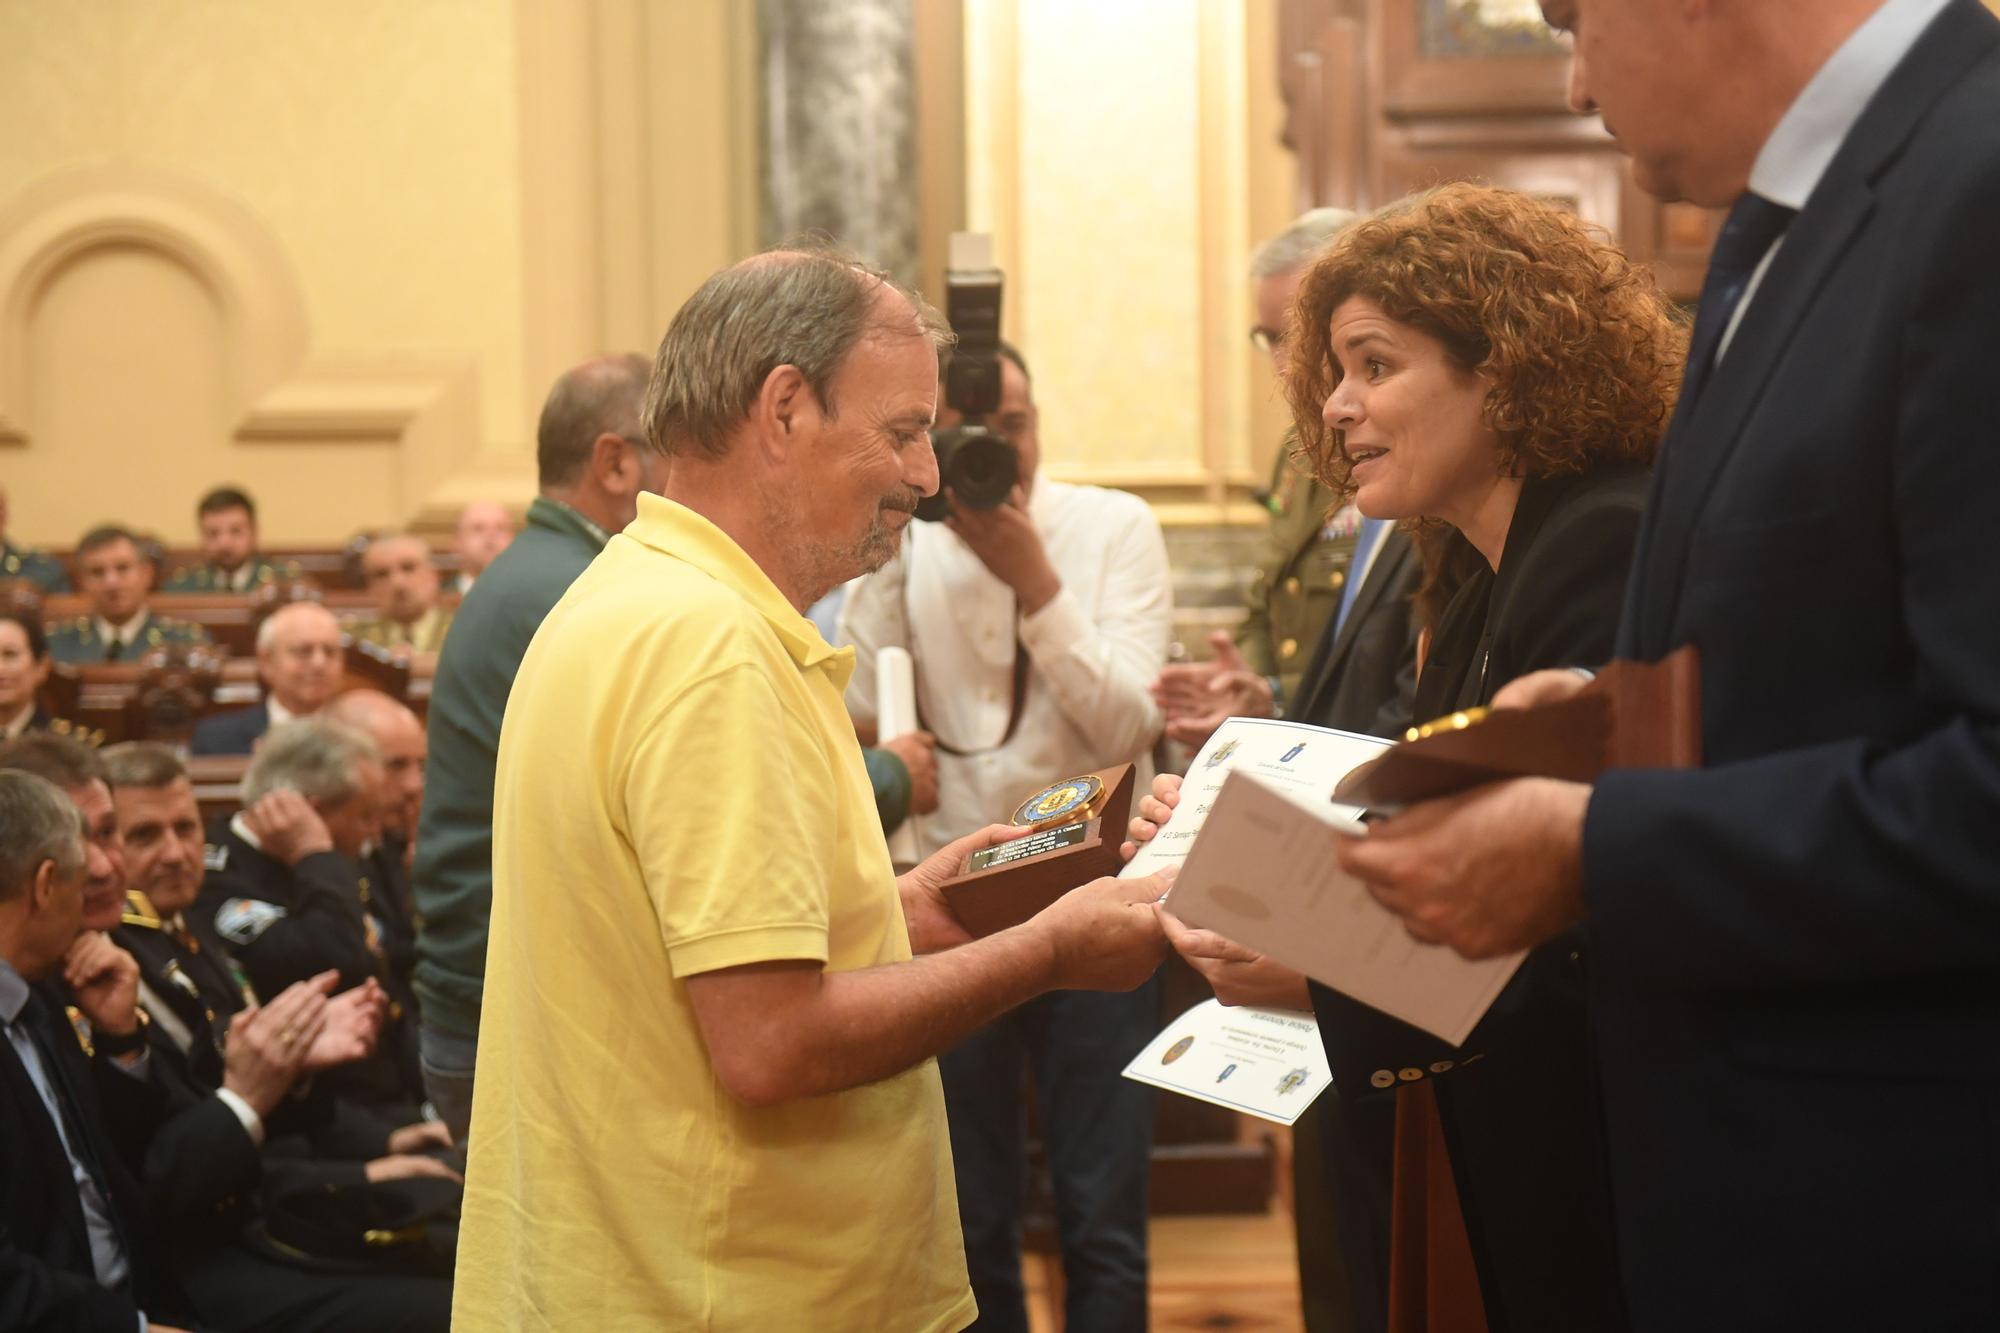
x: 975, y: 462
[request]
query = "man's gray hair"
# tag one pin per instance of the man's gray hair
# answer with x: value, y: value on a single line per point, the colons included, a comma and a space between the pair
x: 144, y: 764
x: 603, y: 396
x: 804, y: 306
x: 1300, y: 244
x: 37, y: 823
x: 267, y: 628
x: 317, y: 758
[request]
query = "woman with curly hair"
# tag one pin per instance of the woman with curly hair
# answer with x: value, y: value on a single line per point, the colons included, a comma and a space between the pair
x: 1485, y: 365
x: 1490, y: 370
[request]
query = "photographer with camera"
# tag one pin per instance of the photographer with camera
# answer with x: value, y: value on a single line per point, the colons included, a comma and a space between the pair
x: 1038, y: 614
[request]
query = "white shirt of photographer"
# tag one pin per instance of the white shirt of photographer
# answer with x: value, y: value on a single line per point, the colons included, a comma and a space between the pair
x: 1093, y: 651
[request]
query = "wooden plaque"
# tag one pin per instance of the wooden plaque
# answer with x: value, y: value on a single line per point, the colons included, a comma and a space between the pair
x: 1005, y: 885
x: 1633, y: 715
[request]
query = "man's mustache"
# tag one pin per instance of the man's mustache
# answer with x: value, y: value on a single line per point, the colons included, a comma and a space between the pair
x: 906, y: 502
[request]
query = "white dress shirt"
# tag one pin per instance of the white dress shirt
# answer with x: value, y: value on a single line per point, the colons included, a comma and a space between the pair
x: 1794, y: 159
x: 1093, y: 652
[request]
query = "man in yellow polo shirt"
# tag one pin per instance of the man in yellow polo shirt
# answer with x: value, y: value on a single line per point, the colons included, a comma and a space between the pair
x: 707, y: 1098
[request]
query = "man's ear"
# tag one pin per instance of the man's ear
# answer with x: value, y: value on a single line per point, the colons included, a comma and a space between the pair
x: 612, y: 465
x: 785, y: 407
x: 42, y: 890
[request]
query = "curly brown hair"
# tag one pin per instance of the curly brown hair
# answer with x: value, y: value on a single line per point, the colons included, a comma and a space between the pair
x: 1581, y: 350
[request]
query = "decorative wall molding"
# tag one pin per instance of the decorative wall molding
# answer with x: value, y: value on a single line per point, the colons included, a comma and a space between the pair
x: 276, y: 390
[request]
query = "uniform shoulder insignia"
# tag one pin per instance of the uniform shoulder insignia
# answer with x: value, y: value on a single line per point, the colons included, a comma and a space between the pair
x: 82, y: 1027
x: 215, y: 856
x: 139, y: 911
x: 244, y: 920
x: 91, y: 736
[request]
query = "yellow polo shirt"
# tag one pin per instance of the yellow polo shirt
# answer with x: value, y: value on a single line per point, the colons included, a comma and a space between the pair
x: 679, y: 790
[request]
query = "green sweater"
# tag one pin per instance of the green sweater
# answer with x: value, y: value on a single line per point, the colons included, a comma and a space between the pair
x: 453, y: 878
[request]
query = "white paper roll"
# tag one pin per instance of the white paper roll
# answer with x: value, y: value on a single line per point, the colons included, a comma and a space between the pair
x: 896, y: 715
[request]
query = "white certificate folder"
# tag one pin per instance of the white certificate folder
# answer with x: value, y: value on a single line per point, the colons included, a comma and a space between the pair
x: 1263, y: 872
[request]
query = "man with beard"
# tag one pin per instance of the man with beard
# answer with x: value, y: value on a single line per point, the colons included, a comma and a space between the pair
x: 696, y: 929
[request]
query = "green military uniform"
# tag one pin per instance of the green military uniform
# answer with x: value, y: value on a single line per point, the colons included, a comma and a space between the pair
x: 212, y: 578
x: 37, y: 567
x: 78, y: 640
x: 425, y: 634
x: 1299, y: 581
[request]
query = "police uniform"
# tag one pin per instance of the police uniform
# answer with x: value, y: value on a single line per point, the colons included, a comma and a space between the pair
x: 1299, y: 580
x: 78, y: 641
x: 213, y: 578
x: 210, y: 1177
x: 37, y: 567
x: 425, y: 634
x: 283, y: 924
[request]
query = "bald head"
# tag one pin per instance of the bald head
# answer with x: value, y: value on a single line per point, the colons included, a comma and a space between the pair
x: 299, y: 656
x: 484, y: 529
x: 399, y: 735
x: 603, y: 396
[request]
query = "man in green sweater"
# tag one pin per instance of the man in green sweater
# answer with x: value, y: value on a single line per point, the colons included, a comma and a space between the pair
x: 593, y: 461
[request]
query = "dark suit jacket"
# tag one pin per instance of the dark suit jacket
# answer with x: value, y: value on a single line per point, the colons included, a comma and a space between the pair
x: 234, y: 732
x: 46, y: 1277
x: 1364, y: 678
x: 1516, y: 1101
x: 1796, y: 945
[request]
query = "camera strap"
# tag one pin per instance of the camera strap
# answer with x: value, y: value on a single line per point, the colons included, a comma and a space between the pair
x: 1013, y: 713
x: 1021, y: 670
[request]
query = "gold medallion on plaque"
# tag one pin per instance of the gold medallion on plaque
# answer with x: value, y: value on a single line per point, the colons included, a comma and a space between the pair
x: 1063, y: 802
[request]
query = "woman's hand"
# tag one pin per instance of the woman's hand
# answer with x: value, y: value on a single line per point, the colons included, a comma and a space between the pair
x: 1154, y: 810
x: 1237, y: 975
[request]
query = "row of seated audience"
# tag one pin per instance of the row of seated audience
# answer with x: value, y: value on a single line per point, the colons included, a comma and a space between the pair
x: 231, y: 1130
x: 226, y: 1131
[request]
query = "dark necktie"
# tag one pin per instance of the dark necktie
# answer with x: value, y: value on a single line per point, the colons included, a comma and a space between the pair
x: 115, y: 649
x: 1753, y: 226
x: 43, y: 1033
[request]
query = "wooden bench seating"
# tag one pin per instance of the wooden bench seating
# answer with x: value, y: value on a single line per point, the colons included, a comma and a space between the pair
x: 163, y: 696
x: 331, y: 567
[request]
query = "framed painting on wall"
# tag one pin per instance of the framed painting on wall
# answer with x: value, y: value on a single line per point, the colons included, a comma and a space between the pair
x: 1469, y: 58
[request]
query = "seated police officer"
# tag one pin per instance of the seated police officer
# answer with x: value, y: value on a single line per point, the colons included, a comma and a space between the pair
x: 283, y: 888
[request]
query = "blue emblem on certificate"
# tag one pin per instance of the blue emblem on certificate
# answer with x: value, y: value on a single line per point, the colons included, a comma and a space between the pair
x: 1072, y: 798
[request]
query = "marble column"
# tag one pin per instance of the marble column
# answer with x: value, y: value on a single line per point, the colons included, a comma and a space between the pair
x: 838, y: 132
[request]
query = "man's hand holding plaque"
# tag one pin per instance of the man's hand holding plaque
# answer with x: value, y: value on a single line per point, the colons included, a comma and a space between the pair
x: 1061, y: 836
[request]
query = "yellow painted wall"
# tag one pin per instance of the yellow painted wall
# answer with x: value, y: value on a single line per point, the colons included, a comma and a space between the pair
x: 1125, y: 166
x: 337, y: 251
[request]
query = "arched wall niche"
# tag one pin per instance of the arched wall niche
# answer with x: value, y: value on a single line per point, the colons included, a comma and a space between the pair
x: 371, y: 436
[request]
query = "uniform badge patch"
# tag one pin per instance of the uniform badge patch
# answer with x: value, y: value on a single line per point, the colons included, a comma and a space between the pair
x: 242, y: 920
x: 214, y: 856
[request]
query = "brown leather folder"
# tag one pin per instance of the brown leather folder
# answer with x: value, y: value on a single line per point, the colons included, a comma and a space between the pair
x: 1633, y: 715
x: 1014, y: 887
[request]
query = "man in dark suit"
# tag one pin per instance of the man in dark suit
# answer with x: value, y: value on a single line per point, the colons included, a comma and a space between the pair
x: 299, y: 659
x: 77, y: 1249
x: 1793, y: 945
